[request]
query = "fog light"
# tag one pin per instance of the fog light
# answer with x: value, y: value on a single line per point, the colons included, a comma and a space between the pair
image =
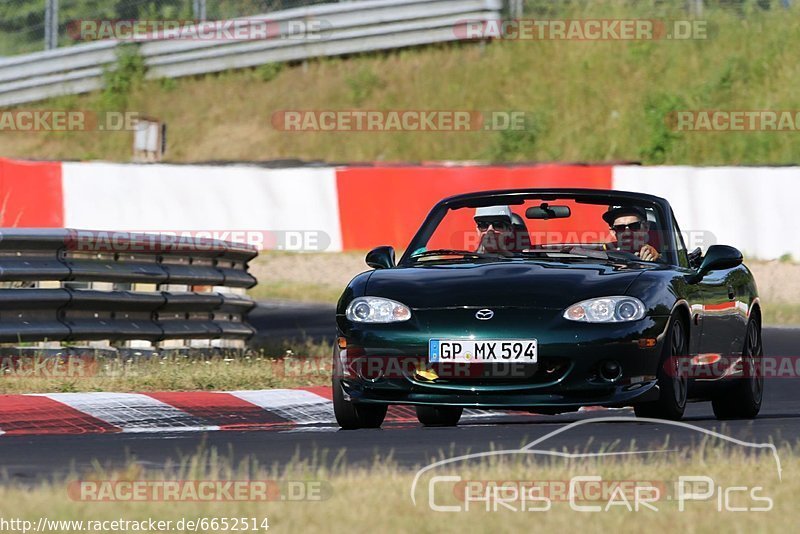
x: 425, y: 374
x: 610, y: 370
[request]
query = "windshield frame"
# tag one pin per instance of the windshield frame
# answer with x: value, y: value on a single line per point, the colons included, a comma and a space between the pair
x: 520, y: 196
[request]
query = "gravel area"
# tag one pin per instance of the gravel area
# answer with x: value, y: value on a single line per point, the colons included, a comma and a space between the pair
x: 777, y: 281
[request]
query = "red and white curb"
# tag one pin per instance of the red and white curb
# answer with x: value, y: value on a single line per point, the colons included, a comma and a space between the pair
x: 194, y: 411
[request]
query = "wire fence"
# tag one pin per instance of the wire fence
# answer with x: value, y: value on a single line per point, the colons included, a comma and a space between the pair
x: 555, y: 8
x: 33, y: 25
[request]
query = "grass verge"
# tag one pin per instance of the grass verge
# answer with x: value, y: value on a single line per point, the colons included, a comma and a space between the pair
x: 781, y: 313
x: 306, y: 277
x: 298, y: 364
x: 297, y: 291
x: 363, y: 499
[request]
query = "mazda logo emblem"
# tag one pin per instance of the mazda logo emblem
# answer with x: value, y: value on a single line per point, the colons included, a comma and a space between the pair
x: 484, y: 315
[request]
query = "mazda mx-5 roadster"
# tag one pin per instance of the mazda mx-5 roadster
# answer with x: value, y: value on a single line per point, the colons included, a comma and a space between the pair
x: 547, y: 300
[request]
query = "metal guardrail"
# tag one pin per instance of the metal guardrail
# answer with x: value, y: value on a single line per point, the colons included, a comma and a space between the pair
x: 44, y: 268
x: 348, y: 28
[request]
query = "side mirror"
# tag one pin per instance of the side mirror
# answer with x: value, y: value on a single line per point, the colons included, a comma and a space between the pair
x: 381, y: 258
x: 717, y: 258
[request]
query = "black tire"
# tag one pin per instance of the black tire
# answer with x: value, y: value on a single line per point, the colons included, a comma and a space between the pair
x: 439, y: 415
x: 743, y: 400
x: 351, y: 416
x: 673, y: 383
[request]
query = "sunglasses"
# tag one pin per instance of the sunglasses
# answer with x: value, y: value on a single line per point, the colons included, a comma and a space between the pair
x: 499, y: 225
x: 619, y: 228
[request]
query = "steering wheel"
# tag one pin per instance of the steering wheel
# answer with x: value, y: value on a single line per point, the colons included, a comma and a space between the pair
x: 623, y: 255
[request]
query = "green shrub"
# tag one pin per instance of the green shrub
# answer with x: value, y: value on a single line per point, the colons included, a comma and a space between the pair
x: 122, y: 78
x: 362, y: 84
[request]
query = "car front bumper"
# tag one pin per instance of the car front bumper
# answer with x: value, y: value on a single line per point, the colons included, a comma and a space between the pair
x: 380, y: 363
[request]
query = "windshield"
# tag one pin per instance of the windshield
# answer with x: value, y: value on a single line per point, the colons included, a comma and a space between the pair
x: 555, y: 229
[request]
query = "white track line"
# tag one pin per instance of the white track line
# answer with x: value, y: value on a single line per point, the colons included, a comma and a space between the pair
x: 296, y: 405
x: 133, y: 412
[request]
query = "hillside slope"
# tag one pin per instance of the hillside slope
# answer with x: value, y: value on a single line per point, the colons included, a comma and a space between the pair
x: 584, y: 100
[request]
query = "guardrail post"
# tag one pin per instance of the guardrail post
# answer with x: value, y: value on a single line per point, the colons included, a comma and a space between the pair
x: 51, y: 24
x: 199, y: 8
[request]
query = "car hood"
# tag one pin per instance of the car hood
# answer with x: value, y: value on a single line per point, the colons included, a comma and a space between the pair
x: 523, y: 284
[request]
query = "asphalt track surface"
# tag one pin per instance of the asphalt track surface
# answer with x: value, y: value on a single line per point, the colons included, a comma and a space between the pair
x: 25, y: 459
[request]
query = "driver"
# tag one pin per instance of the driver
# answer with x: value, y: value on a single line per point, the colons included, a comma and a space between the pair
x: 495, y: 230
x: 631, y: 231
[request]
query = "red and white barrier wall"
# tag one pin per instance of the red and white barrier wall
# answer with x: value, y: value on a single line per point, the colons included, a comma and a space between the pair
x: 357, y: 208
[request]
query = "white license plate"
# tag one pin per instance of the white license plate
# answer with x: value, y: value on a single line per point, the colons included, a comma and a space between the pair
x: 482, y: 351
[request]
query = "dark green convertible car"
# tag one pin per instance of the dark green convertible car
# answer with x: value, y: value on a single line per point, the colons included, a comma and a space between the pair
x: 547, y: 300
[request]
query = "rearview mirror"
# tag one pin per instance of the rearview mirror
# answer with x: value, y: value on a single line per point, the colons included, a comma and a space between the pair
x: 717, y: 258
x: 546, y: 211
x: 381, y: 257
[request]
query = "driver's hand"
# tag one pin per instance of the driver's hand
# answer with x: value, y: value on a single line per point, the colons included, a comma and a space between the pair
x: 648, y: 253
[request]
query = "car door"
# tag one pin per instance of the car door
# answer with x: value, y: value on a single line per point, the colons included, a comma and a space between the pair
x: 725, y: 302
x: 693, y: 293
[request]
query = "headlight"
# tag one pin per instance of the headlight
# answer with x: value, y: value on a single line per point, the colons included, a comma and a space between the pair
x: 377, y: 310
x: 606, y: 310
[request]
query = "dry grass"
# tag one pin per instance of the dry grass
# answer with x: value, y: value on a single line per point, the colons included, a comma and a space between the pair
x: 303, y: 364
x: 310, y: 277
x: 781, y: 313
x: 361, y: 500
x: 587, y: 101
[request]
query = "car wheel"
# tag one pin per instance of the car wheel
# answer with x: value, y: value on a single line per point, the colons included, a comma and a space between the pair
x: 351, y: 416
x: 744, y: 400
x: 673, y: 383
x: 439, y: 415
